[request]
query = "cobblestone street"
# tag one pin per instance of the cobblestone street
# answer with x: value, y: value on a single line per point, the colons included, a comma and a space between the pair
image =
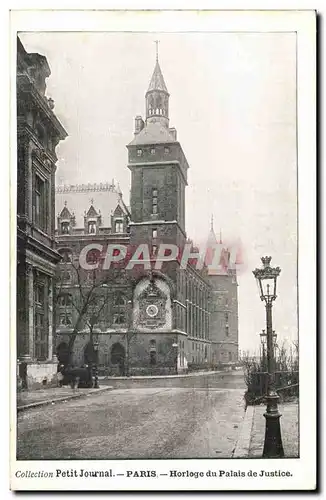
x: 159, y: 422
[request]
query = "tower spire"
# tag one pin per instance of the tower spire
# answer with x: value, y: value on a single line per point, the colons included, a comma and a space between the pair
x: 157, y: 96
x: 157, y: 42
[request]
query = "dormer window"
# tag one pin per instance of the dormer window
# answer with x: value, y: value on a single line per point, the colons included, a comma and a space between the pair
x: 153, y: 151
x: 118, y: 226
x: 166, y: 150
x: 65, y: 228
x: 91, y: 227
x: 139, y: 152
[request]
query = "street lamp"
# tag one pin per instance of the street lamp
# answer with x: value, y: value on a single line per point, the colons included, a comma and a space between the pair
x: 95, y: 345
x: 175, y: 346
x: 266, y: 279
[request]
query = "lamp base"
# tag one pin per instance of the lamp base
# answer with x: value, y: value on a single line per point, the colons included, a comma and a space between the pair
x: 273, y: 447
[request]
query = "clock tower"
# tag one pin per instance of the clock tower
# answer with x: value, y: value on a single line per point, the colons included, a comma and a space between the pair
x: 158, y: 172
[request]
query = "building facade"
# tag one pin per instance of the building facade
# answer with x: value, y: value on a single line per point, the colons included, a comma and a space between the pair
x: 38, y: 134
x: 145, y: 319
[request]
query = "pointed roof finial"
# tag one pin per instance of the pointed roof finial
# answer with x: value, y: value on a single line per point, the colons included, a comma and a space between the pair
x: 65, y: 203
x: 157, y: 42
x: 220, y: 235
x: 157, y: 81
x: 212, y: 222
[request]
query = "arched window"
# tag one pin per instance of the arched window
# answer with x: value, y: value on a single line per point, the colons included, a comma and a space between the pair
x: 93, y: 256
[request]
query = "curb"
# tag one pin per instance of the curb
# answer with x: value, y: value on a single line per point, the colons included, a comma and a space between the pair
x: 241, y: 449
x: 150, y: 377
x: 63, y: 398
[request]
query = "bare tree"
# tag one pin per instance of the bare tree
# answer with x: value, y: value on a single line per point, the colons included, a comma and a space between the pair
x: 86, y: 297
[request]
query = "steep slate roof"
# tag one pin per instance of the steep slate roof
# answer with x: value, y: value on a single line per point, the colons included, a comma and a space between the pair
x: 65, y: 214
x: 157, y: 81
x: 80, y: 198
x: 92, y: 212
x: 153, y: 133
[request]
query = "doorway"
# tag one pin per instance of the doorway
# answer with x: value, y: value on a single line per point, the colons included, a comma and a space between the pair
x: 118, y: 355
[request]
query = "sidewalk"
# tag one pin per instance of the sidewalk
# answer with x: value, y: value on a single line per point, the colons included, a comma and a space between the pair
x: 51, y: 395
x: 252, y: 434
x: 289, y: 430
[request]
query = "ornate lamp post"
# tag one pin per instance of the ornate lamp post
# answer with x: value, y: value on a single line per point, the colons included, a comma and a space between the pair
x: 96, y: 346
x: 266, y: 279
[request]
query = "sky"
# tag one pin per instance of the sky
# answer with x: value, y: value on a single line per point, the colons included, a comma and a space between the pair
x: 233, y: 103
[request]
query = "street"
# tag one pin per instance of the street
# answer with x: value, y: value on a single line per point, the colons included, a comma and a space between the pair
x: 143, y: 422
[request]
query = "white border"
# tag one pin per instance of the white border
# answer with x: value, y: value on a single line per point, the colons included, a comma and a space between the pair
x: 303, y: 469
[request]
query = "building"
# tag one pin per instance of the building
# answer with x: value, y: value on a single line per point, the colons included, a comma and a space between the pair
x: 38, y: 133
x: 144, y: 319
x: 223, y: 308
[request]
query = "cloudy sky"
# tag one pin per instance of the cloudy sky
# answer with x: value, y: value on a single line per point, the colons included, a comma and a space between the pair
x: 233, y: 103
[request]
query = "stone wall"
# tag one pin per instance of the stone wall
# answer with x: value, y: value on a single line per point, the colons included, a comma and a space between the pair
x: 38, y: 375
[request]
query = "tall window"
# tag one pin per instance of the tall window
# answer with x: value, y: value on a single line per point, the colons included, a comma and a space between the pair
x: 119, y: 309
x: 154, y: 201
x: 226, y: 323
x: 154, y: 233
x: 118, y: 226
x: 92, y: 227
x: 40, y: 330
x: 40, y: 209
x: 65, y: 309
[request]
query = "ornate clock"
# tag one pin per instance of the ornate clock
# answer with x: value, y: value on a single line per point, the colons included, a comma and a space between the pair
x: 152, y: 310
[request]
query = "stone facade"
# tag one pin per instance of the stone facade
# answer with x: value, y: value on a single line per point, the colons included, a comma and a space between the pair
x: 38, y: 133
x: 142, y: 319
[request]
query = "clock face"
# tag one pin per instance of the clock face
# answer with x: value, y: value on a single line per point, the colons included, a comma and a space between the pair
x: 152, y: 310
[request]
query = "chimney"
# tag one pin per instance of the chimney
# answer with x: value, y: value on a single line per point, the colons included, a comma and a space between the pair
x: 173, y: 132
x: 139, y: 124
